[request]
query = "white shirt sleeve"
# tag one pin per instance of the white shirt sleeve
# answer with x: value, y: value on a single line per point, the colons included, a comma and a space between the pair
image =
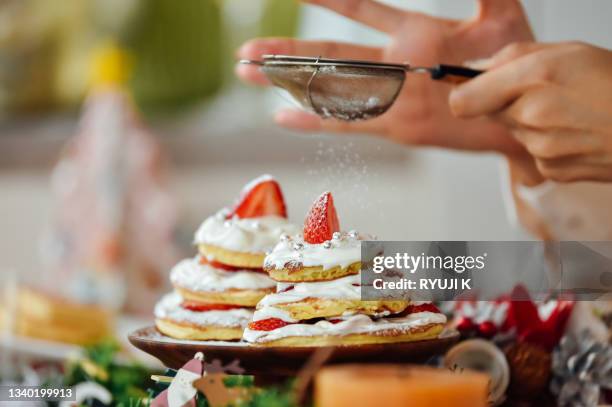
x: 574, y: 211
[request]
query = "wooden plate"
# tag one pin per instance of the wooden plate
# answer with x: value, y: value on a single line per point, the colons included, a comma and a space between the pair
x: 283, y: 360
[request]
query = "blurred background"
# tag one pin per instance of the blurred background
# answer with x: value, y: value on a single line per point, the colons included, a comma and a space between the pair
x: 122, y: 127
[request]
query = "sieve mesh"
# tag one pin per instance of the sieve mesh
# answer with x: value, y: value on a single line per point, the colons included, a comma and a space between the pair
x: 345, y: 92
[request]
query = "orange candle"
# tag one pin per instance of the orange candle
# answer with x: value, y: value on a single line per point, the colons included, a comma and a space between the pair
x: 399, y: 385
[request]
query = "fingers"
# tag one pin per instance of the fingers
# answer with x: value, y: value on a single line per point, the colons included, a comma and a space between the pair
x: 575, y: 168
x: 549, y: 146
x: 309, y: 122
x: 507, y: 54
x: 369, y: 12
x: 496, y: 8
x: 496, y: 89
x: 254, y: 49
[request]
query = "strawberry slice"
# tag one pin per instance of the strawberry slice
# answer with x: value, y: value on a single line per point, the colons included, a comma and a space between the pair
x: 201, y: 307
x: 428, y: 307
x: 269, y: 324
x: 227, y: 267
x: 260, y: 197
x: 322, y: 220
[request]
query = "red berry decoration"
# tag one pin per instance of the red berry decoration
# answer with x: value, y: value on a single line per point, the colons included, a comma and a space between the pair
x: 322, y: 221
x: 487, y: 329
x: 465, y: 325
x: 201, y: 307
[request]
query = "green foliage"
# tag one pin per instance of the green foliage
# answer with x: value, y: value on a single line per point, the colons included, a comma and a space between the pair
x: 272, y: 397
x: 126, y: 382
x: 238, y: 381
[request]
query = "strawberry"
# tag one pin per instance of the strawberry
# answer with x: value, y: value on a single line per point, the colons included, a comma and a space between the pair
x: 427, y: 307
x: 335, y: 321
x: 260, y: 197
x: 227, y: 267
x: 322, y: 220
x: 201, y: 307
x: 269, y: 324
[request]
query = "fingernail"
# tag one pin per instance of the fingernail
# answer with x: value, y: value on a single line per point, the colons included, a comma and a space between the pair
x: 482, y: 63
x: 455, y: 101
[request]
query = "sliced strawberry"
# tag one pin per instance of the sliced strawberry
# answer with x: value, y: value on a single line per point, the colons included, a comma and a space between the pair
x: 335, y: 320
x: 322, y: 220
x: 427, y: 307
x: 227, y: 267
x: 269, y: 324
x: 201, y: 307
x: 260, y: 197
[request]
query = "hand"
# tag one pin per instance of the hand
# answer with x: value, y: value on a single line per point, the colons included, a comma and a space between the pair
x: 420, y: 115
x: 557, y: 100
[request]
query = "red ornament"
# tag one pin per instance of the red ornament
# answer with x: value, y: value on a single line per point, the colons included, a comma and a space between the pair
x: 487, y: 329
x: 465, y: 325
x: 523, y: 316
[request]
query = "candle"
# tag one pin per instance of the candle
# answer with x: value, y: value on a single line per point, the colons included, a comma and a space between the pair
x: 399, y: 385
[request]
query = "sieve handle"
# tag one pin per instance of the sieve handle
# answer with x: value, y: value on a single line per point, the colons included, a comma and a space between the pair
x: 453, y: 74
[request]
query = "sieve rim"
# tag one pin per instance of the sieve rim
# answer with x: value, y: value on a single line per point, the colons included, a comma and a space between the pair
x: 287, y: 60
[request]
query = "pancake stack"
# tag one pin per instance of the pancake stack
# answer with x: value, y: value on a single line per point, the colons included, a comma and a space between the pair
x: 215, y: 292
x: 43, y: 315
x: 318, y: 297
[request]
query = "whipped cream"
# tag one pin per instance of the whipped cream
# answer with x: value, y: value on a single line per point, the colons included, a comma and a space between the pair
x: 169, y: 307
x: 343, y: 250
x: 253, y: 235
x: 341, y: 288
x: 194, y: 276
x: 355, y: 324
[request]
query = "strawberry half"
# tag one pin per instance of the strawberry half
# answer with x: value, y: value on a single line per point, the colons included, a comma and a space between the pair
x: 260, y: 197
x: 269, y: 324
x: 322, y: 220
x: 427, y: 307
x: 201, y: 307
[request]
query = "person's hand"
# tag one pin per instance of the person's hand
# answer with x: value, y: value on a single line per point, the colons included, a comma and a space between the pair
x: 421, y: 114
x: 557, y: 100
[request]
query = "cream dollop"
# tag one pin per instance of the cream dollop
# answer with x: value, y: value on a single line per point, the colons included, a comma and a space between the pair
x: 343, y: 250
x: 341, y: 288
x: 355, y: 324
x: 190, y: 274
x: 169, y: 307
x: 253, y: 235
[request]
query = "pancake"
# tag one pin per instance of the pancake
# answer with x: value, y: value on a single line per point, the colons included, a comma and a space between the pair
x: 244, y: 298
x: 231, y: 257
x: 297, y: 272
x: 354, y: 329
x: 206, y: 283
x: 181, y: 330
x: 177, y: 322
x: 240, y: 242
x: 420, y: 334
x: 294, y: 259
x: 324, y: 307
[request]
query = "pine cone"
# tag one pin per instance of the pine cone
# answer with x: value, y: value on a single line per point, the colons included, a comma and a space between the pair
x: 530, y: 370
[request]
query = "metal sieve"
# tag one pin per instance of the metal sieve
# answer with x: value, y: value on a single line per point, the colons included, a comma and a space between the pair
x: 347, y: 89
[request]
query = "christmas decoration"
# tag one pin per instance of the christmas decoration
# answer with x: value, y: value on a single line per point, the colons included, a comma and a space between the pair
x: 530, y: 367
x: 582, y: 370
x: 485, y: 357
x: 181, y: 392
x: 531, y: 323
